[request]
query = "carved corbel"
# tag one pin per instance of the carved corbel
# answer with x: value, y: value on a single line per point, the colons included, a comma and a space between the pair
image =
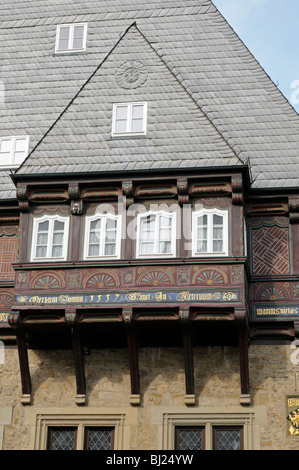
x: 184, y: 316
x: 294, y: 211
x: 14, y: 321
x: 128, y: 194
x: 237, y: 190
x: 22, y: 196
x: 183, y: 195
x: 243, y: 335
x: 127, y: 316
x: 75, y: 197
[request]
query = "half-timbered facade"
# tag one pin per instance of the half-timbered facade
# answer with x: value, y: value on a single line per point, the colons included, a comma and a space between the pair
x: 149, y: 224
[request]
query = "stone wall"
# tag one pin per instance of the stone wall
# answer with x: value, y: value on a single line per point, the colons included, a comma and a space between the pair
x: 272, y: 377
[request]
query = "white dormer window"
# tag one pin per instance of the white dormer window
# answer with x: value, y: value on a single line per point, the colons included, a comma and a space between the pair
x: 50, y: 237
x: 71, y: 38
x: 210, y: 233
x: 129, y: 119
x: 13, y: 150
x: 156, y: 234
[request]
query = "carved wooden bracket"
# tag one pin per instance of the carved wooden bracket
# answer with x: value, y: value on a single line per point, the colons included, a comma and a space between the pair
x: 243, y: 329
x: 184, y: 316
x: 294, y: 211
x: 237, y: 190
x: 75, y: 197
x: 183, y: 195
x: 127, y: 191
x: 127, y: 315
x: 22, y: 196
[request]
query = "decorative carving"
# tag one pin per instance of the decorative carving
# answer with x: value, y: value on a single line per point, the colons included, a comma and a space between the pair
x: 101, y: 279
x: 237, y: 190
x: 151, y: 191
x: 70, y: 317
x: 14, y: 319
x: 183, y: 196
x: 127, y: 191
x: 210, y: 276
x: 183, y: 276
x: 22, y: 196
x: 47, y: 280
x: 272, y: 292
x: 77, y: 207
x: 131, y: 74
x: 155, y: 277
x: 127, y: 315
x: 208, y: 189
x: 294, y: 211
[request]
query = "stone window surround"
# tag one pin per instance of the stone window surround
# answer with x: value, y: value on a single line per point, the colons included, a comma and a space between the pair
x: 5, y: 420
x: 251, y: 420
x: 40, y: 419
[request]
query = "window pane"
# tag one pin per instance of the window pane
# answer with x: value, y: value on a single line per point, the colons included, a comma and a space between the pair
x: 5, y: 146
x: 228, y: 439
x: 94, y: 238
x: 120, y: 126
x: 62, y: 439
x: 137, y: 125
x: 98, y: 439
x: 78, y: 37
x: 189, y: 439
x: 217, y: 220
x: 121, y: 112
x: 137, y: 111
x: 43, y: 226
x: 41, y: 252
x: 164, y: 247
x: 58, y: 226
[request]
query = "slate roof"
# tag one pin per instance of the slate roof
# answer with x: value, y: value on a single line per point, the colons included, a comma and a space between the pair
x: 210, y: 102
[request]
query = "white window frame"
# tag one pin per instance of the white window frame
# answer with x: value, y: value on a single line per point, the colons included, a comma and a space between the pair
x: 51, y: 219
x: 13, y: 140
x: 103, y: 218
x: 129, y: 131
x: 156, y: 253
x: 210, y: 213
x: 71, y: 38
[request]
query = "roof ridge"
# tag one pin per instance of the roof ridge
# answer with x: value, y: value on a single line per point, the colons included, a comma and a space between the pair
x: 141, y: 13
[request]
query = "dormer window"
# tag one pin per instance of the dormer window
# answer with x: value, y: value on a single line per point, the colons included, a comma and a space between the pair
x: 71, y: 38
x: 13, y: 151
x: 129, y: 119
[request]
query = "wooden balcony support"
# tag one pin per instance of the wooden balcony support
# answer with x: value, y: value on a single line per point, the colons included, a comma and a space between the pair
x: 15, y: 323
x: 71, y: 320
x: 188, y: 356
x: 127, y: 315
x: 242, y: 325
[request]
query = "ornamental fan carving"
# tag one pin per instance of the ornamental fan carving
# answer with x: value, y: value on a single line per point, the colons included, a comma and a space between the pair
x: 47, y: 281
x: 101, y: 279
x: 272, y: 292
x: 155, y: 278
x: 210, y: 276
x: 6, y: 300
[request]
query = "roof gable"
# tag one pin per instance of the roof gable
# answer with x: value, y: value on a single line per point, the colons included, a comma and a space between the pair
x: 179, y: 134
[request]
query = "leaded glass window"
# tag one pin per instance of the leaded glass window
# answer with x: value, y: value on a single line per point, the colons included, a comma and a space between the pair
x: 226, y: 438
x: 62, y: 438
x: 98, y: 438
x: 189, y: 438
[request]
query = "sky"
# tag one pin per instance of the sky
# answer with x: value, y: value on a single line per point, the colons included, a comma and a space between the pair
x: 269, y: 28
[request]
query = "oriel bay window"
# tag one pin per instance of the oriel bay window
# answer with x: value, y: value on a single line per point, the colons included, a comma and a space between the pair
x: 102, y: 236
x: 156, y: 234
x: 50, y: 237
x: 210, y: 233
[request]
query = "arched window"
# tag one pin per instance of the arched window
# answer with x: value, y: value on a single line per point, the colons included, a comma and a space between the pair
x: 210, y: 233
x: 50, y: 237
x: 102, y: 236
x: 156, y: 234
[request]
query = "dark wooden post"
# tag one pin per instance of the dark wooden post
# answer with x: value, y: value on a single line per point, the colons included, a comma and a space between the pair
x: 188, y: 355
x: 127, y: 315
x: 15, y: 323
x: 242, y: 325
x: 70, y: 316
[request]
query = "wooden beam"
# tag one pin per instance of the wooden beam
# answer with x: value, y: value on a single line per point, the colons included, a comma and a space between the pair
x: 127, y: 315
x: 242, y: 325
x: 188, y: 356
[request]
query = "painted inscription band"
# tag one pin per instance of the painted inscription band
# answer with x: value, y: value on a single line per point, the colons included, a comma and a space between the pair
x: 131, y: 297
x: 272, y: 312
x: 4, y: 317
